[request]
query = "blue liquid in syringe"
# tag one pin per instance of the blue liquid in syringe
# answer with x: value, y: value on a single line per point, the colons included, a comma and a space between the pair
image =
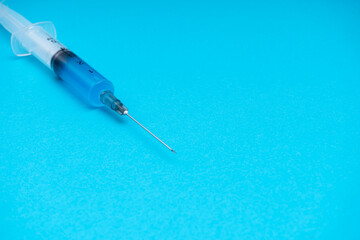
x: 78, y: 75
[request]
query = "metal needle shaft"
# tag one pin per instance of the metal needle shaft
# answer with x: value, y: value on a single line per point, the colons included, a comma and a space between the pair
x: 150, y: 132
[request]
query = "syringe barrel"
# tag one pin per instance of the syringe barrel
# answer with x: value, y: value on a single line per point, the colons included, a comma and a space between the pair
x: 39, y: 39
x: 80, y: 77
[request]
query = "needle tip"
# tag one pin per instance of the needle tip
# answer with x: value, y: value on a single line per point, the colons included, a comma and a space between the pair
x: 126, y: 113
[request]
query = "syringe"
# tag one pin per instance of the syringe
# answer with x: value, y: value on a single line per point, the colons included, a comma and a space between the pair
x: 39, y: 39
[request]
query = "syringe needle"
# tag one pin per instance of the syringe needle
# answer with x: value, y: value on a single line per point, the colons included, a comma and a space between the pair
x: 79, y: 76
x: 150, y: 132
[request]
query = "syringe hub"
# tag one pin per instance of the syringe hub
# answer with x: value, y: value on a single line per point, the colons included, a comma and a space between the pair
x: 108, y: 99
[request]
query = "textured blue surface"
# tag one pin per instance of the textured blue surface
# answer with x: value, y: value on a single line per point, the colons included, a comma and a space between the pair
x: 261, y: 101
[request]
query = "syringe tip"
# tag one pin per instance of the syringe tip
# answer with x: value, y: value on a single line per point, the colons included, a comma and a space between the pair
x: 149, y: 132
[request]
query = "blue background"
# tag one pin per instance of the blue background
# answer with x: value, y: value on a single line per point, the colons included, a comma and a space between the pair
x: 260, y: 99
